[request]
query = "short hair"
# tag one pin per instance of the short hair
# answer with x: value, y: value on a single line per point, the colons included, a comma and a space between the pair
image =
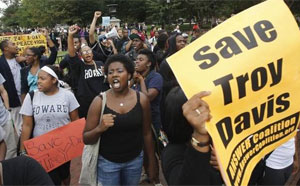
x: 178, y: 129
x: 3, y: 44
x: 151, y: 57
x: 36, y: 51
x: 125, y: 60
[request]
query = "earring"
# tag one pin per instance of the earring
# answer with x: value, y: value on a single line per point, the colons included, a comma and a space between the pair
x: 110, y: 86
x: 129, y: 82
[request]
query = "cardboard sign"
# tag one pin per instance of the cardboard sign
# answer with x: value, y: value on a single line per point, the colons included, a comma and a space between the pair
x: 26, y: 41
x: 250, y: 63
x: 57, y: 146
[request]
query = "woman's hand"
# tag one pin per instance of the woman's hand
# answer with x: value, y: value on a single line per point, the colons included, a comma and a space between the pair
x: 107, y: 122
x: 97, y: 14
x: 197, y: 112
x: 73, y: 29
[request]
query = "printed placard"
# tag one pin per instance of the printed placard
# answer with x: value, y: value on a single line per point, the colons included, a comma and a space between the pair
x: 250, y: 63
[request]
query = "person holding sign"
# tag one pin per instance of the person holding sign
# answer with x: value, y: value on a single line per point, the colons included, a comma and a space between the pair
x: 51, y: 107
x: 187, y: 158
x: 33, y: 59
x: 125, y: 129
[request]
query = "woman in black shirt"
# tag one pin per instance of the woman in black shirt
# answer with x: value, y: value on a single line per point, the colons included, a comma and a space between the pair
x: 125, y: 129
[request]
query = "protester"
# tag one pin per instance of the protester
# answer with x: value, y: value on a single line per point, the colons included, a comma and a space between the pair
x: 127, y: 46
x: 196, y: 34
x: 124, y: 39
x: 153, y: 40
x: 10, y: 137
x: 51, y: 107
x: 175, y: 43
x: 280, y: 163
x: 33, y: 59
x: 161, y: 47
x: 71, y: 77
x: 150, y: 83
x: 126, y: 124
x: 89, y: 72
x: 101, y: 49
x: 186, y: 159
x: 10, y: 70
x: 138, y: 43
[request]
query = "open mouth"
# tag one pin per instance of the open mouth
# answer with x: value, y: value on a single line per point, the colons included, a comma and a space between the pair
x: 116, y: 83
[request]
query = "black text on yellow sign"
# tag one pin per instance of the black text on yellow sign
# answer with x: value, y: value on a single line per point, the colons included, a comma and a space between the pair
x: 250, y: 64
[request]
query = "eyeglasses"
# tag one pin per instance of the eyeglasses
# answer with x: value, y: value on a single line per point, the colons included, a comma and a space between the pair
x: 26, y: 55
x: 86, y: 52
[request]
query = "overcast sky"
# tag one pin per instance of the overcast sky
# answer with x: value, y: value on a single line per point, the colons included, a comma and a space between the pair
x: 2, y: 5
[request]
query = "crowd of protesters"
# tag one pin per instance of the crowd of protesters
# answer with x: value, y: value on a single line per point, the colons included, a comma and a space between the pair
x: 147, y: 117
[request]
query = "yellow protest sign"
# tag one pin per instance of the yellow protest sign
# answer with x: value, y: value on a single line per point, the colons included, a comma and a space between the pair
x: 250, y: 63
x: 27, y: 40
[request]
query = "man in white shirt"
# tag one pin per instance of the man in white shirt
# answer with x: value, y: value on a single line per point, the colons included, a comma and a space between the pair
x: 10, y: 70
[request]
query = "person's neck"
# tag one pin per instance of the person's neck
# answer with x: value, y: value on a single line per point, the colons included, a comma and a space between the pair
x: 145, y: 73
x: 9, y: 55
x: 90, y: 62
x: 36, y: 64
x: 52, y: 91
x: 120, y: 94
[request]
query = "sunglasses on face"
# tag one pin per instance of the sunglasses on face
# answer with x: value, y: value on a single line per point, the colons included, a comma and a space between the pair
x: 87, y: 52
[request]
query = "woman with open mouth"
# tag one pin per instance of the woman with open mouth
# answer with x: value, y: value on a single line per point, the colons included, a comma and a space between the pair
x: 89, y: 72
x: 125, y: 129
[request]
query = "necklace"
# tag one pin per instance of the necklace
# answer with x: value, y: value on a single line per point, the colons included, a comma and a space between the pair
x: 121, y: 104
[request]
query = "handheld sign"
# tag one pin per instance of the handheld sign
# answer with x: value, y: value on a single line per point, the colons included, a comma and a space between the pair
x: 25, y: 41
x: 57, y: 146
x: 250, y: 63
x: 105, y: 21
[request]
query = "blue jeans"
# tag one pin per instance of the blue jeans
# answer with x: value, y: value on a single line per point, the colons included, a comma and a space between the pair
x: 128, y: 173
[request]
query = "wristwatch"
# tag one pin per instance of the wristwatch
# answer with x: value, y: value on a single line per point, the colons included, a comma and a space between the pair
x: 195, y: 142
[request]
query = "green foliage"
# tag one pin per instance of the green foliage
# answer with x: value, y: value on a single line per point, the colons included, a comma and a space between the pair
x: 48, y: 13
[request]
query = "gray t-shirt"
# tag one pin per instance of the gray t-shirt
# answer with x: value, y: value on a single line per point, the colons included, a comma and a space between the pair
x: 3, y: 112
x: 50, y: 112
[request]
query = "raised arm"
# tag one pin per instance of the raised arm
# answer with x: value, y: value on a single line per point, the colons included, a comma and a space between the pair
x: 97, y: 14
x: 71, y: 50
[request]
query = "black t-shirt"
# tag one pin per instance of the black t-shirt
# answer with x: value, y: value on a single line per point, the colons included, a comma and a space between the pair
x: 100, y: 52
x: 90, y: 82
x: 24, y: 170
x: 183, y: 165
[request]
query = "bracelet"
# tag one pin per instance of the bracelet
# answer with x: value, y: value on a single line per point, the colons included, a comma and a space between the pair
x: 195, y: 142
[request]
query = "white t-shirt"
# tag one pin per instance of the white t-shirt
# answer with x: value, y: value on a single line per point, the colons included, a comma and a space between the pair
x: 15, y: 70
x: 282, y: 156
x: 50, y: 112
